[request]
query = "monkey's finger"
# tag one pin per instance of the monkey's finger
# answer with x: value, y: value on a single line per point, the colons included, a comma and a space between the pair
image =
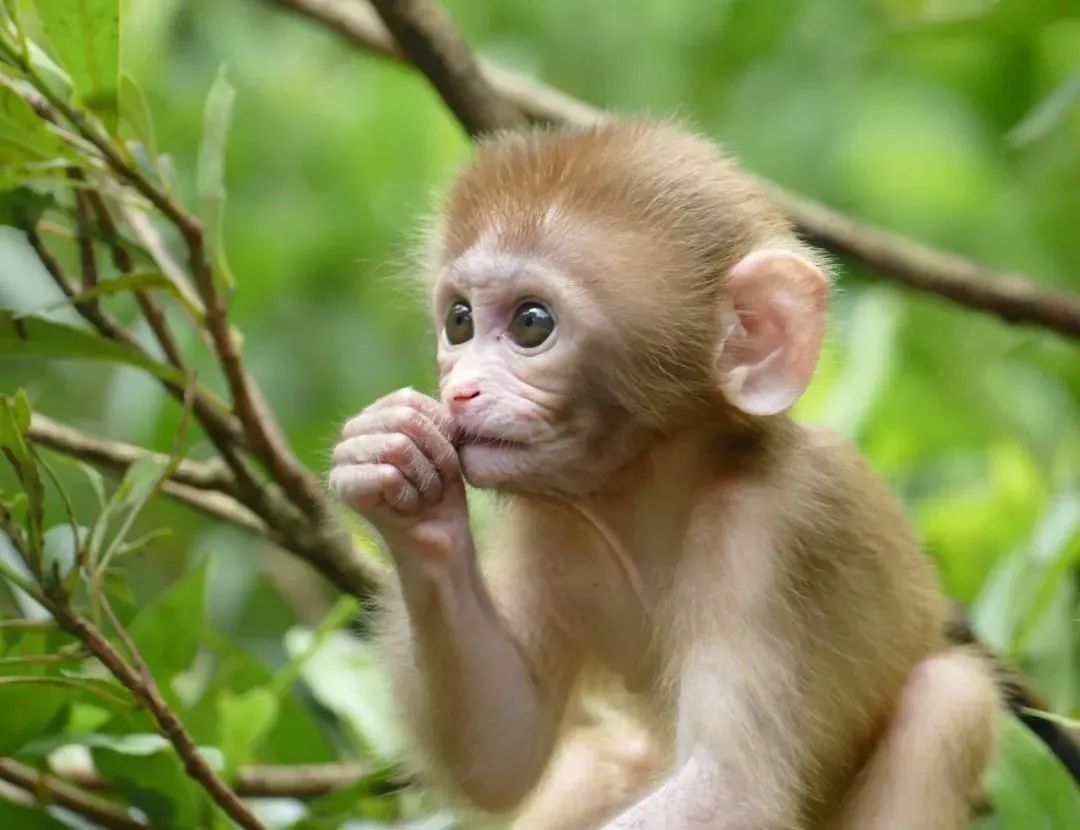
x: 432, y: 441
x: 398, y: 449
x: 368, y: 487
x: 425, y: 404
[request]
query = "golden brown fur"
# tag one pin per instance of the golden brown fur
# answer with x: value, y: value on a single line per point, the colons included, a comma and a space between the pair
x: 742, y: 591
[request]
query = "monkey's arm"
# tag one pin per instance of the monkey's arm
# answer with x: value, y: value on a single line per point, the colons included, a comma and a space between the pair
x: 473, y: 695
x: 470, y: 692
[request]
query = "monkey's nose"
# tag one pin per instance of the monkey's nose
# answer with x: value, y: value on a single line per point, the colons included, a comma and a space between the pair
x: 459, y: 398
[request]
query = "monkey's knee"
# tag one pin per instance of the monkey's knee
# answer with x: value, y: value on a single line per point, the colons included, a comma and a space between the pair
x: 950, y: 705
x: 597, y: 771
x: 927, y: 765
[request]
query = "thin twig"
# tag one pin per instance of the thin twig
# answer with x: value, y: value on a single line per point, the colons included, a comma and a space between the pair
x: 260, y: 427
x: 424, y: 33
x: 304, y: 781
x: 146, y: 691
x: 1012, y: 297
x: 121, y: 258
x: 46, y: 790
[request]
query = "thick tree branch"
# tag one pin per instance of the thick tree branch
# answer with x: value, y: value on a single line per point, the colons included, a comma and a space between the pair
x: 1012, y: 297
x: 424, y: 32
x: 46, y: 789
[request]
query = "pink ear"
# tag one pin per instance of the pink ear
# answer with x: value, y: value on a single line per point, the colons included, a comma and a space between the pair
x: 772, y: 330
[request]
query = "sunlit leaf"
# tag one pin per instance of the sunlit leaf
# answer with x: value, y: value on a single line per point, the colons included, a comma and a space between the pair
x: 60, y: 546
x: 346, y: 677
x: 86, y: 37
x: 24, y: 136
x: 244, y: 720
x: 211, y: 171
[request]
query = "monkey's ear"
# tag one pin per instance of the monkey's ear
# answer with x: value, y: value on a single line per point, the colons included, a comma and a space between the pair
x: 771, y: 330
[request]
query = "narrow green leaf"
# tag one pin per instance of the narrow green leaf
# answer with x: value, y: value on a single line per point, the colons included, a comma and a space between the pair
x: 25, y: 817
x: 135, y: 281
x: 1050, y: 112
x: 135, y: 112
x: 86, y: 37
x: 211, y: 171
x: 44, y: 338
x: 24, y: 137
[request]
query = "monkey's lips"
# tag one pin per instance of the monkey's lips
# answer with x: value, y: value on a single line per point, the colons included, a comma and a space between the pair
x: 465, y: 440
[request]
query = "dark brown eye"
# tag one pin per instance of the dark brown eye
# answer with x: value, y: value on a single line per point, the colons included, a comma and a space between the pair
x: 533, y: 323
x: 458, y: 325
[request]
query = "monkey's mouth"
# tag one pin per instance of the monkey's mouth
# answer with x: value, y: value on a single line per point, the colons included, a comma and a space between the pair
x: 473, y: 439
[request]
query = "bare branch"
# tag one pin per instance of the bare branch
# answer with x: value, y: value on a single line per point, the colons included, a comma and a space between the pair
x: 46, y: 790
x: 122, y: 260
x: 1012, y: 297
x: 149, y: 696
x: 424, y: 33
x: 302, y: 781
x: 118, y: 456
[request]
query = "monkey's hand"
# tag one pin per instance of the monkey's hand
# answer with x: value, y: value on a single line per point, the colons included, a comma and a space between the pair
x: 395, y: 465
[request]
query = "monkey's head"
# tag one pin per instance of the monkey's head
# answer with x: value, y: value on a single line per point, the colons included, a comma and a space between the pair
x: 596, y: 288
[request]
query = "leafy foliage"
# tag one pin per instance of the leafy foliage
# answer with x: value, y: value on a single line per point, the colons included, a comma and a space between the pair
x: 955, y: 122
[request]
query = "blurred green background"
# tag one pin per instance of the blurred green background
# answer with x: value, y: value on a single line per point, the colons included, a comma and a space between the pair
x: 954, y: 121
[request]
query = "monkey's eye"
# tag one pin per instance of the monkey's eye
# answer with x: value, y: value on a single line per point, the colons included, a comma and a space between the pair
x: 459, y: 325
x: 533, y: 323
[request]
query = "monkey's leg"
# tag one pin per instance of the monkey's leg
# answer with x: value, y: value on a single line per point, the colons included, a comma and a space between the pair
x: 928, y: 763
x: 597, y: 771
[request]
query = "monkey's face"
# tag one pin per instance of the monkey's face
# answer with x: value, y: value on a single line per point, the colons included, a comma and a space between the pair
x: 513, y: 336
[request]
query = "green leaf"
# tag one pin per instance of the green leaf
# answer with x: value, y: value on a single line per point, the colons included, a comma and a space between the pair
x: 150, y: 776
x: 30, y: 711
x: 167, y: 631
x: 364, y: 798
x: 22, y: 207
x: 244, y: 720
x: 44, y: 338
x: 135, y: 281
x: 86, y: 37
x: 24, y: 137
x: 296, y: 736
x: 25, y: 817
x: 135, y: 112
x: 60, y: 546
x: 211, y: 171
x: 346, y: 676
x: 1027, y: 785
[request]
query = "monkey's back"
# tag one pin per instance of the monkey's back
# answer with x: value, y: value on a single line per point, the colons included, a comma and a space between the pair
x: 867, y: 601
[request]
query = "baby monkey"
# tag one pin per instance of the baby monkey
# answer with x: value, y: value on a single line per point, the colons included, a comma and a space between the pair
x: 624, y: 321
